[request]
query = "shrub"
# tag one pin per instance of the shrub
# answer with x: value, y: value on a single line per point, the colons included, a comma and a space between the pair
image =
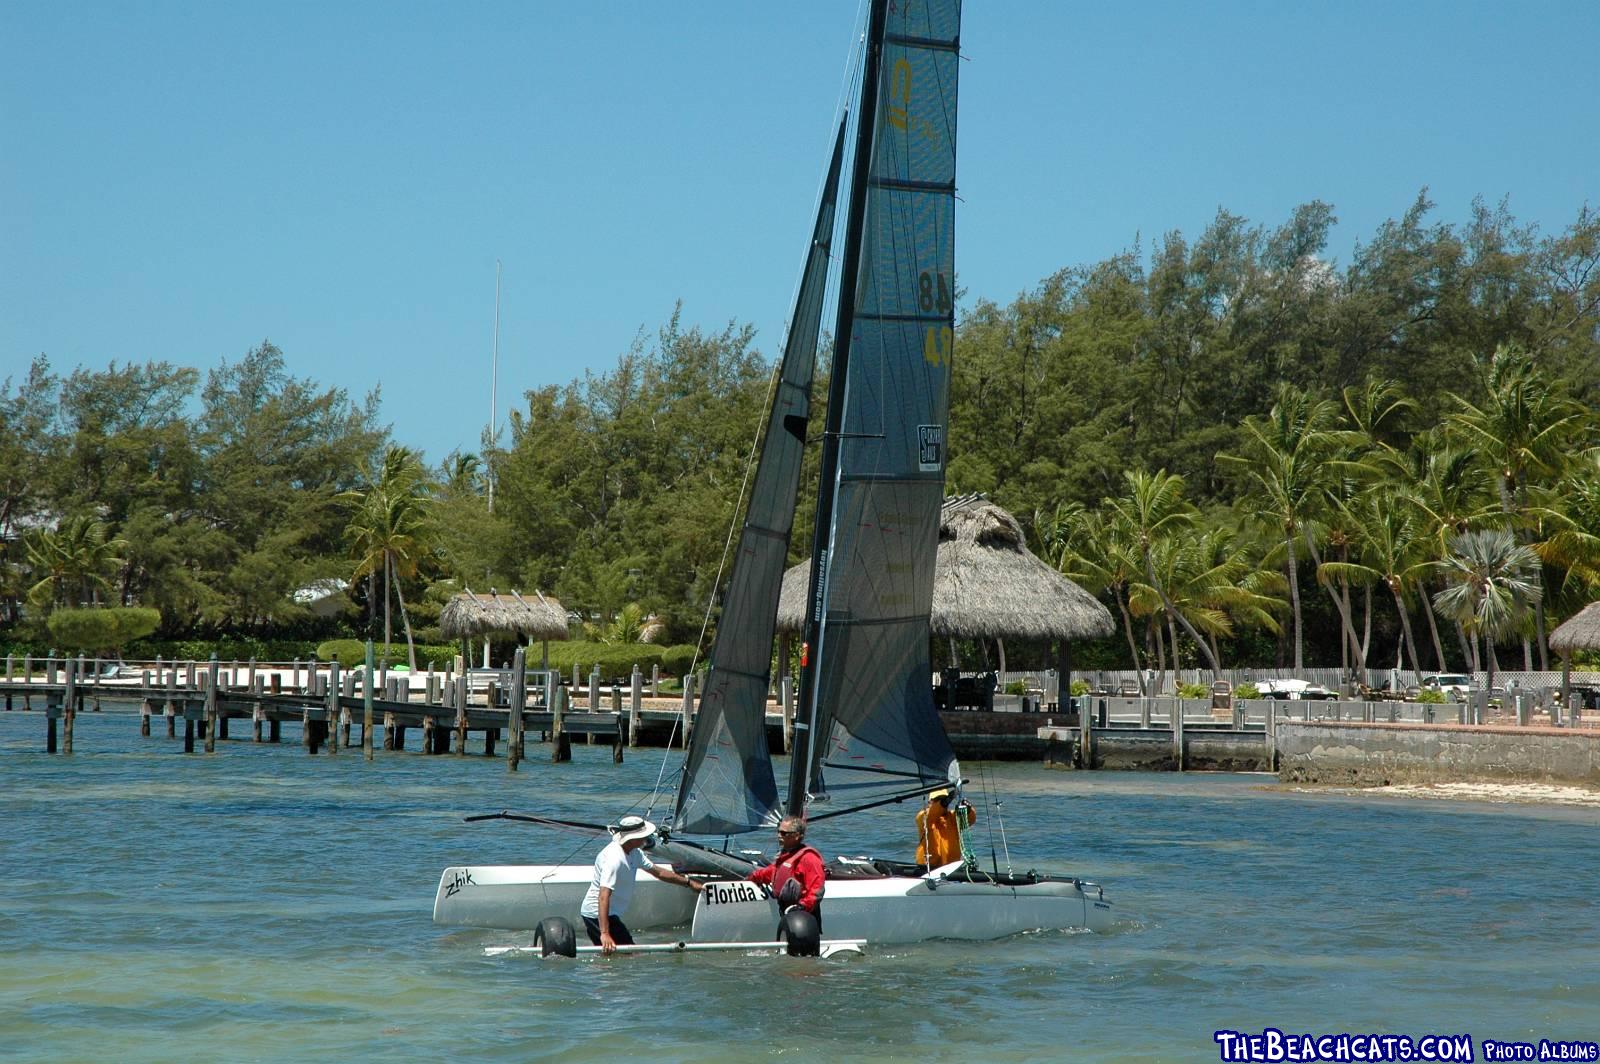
x: 1080, y: 688
x: 102, y: 628
x: 1247, y: 690
x: 1431, y: 694
x: 226, y: 648
x: 1017, y: 687
x: 676, y: 661
x: 352, y: 653
x: 614, y: 659
x: 1194, y: 690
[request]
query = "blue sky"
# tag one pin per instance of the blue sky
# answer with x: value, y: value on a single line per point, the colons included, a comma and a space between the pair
x: 180, y: 181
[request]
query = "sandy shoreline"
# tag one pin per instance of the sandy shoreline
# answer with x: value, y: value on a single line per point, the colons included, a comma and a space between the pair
x: 1503, y: 793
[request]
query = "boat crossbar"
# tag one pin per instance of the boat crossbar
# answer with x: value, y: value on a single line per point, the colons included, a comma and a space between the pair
x: 828, y: 947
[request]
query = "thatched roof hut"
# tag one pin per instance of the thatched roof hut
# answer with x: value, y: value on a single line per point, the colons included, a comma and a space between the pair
x: 1580, y: 632
x: 986, y: 583
x: 537, y: 616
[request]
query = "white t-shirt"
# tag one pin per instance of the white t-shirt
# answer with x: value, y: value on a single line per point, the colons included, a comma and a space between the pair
x: 614, y: 869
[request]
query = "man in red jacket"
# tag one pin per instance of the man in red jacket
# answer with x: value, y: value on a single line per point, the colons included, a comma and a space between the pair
x: 796, y: 875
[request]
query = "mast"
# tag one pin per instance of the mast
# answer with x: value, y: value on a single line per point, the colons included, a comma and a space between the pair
x: 494, y: 381
x: 861, y: 166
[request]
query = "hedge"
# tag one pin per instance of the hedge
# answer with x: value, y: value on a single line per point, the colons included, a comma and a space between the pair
x: 352, y: 653
x: 228, y: 648
x: 676, y: 661
x: 102, y: 628
x: 614, y: 659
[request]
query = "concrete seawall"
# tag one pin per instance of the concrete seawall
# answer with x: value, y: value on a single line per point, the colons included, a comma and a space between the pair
x: 1359, y: 754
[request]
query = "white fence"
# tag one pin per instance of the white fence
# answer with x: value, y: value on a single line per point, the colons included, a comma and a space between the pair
x: 1158, y: 683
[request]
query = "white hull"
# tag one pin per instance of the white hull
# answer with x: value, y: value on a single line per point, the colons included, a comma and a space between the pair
x: 888, y: 909
x: 517, y: 897
x: 909, y: 909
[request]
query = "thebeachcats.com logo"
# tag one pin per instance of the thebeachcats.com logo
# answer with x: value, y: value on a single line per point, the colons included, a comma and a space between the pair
x: 1274, y: 1046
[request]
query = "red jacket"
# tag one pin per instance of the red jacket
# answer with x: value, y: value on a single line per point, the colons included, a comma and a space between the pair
x: 804, y: 864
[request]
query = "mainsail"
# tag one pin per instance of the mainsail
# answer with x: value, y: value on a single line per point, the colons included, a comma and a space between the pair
x: 728, y: 785
x: 867, y: 696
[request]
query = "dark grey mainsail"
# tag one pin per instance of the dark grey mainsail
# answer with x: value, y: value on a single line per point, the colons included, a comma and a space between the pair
x: 728, y: 785
x: 874, y: 731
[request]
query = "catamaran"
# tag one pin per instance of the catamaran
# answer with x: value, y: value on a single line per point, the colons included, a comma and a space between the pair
x: 867, y: 731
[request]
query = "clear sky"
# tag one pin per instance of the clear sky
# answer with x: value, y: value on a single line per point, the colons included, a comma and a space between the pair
x: 181, y: 181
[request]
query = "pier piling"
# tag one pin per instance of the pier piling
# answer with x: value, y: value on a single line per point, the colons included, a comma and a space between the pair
x: 519, y: 699
x: 462, y: 692
x: 560, y: 742
x: 212, y: 707
x: 366, y: 707
x: 635, y: 704
x: 69, y: 711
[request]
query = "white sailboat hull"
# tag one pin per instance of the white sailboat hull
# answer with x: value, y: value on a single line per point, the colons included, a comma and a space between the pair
x: 517, y: 897
x: 909, y: 909
x: 889, y: 909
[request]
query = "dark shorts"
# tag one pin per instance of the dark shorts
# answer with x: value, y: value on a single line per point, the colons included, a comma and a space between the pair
x: 619, y: 931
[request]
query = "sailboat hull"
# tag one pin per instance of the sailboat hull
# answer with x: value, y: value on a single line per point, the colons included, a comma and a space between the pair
x: 517, y: 897
x: 883, y: 909
x: 909, y: 909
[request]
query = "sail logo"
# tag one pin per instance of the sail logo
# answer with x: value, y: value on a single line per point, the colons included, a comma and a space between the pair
x: 899, y: 94
x: 930, y: 438
x: 731, y: 893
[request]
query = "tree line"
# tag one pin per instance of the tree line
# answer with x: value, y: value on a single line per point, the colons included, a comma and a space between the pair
x: 1253, y: 456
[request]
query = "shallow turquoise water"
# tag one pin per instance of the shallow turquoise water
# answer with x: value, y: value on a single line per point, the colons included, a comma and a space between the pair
x: 260, y: 904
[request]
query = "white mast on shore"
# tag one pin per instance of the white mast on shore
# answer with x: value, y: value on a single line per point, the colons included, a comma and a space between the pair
x: 494, y: 383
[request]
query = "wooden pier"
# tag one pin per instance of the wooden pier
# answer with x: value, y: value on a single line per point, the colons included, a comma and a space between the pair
x: 337, y: 709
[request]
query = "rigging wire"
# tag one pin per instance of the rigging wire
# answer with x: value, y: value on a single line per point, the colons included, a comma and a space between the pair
x: 983, y: 785
x: 999, y: 812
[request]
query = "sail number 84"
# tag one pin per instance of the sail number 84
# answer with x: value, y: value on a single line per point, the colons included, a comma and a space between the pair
x: 933, y: 294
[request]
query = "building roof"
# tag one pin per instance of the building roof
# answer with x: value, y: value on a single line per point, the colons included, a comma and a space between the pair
x: 536, y: 615
x: 986, y: 583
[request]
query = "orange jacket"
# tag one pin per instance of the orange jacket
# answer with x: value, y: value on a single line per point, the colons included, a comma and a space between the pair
x: 938, y: 835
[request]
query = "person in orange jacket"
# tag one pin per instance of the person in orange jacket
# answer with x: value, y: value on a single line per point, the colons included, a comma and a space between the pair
x: 938, y: 830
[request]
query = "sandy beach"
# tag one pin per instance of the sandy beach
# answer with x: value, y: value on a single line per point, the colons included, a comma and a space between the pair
x: 1535, y: 793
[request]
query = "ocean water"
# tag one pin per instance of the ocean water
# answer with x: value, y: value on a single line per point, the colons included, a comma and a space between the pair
x: 261, y: 904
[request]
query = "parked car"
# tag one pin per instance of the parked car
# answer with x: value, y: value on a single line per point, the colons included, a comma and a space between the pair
x: 1293, y: 689
x: 1455, y: 686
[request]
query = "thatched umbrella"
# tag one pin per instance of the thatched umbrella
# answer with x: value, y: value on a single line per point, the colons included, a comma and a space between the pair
x: 986, y: 584
x: 537, y: 617
x: 1581, y: 632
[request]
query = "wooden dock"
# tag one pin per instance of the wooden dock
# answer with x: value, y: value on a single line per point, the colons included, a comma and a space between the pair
x: 338, y: 709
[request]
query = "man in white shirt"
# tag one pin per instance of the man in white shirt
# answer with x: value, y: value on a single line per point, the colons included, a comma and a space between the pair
x: 614, y: 871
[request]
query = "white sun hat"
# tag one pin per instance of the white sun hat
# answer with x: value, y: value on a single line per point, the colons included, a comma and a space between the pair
x: 632, y: 827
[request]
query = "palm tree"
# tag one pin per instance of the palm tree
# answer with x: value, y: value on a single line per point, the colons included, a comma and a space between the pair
x: 389, y: 532
x: 1439, y: 483
x: 1524, y: 426
x: 1096, y: 551
x: 1391, y: 551
x: 76, y: 559
x: 630, y: 625
x: 1491, y: 580
x: 1286, y: 455
x: 1210, y: 582
x: 1154, y: 509
x: 1573, y: 511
